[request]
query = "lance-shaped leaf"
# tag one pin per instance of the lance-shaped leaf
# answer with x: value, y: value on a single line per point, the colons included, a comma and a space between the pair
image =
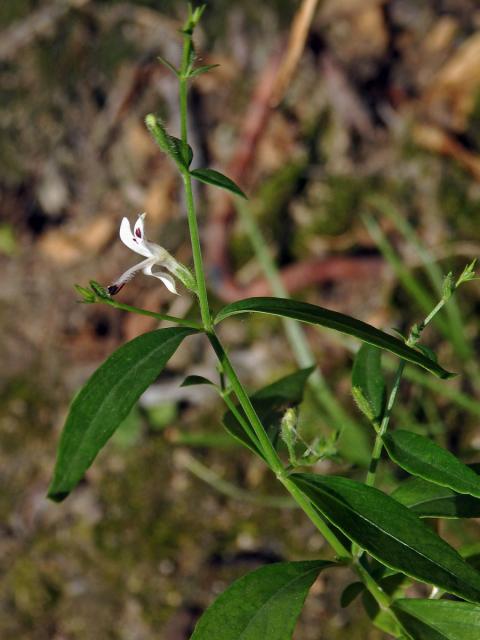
x: 168, y: 65
x: 200, y: 70
x: 438, y: 619
x: 423, y: 458
x: 390, y: 532
x: 430, y: 500
x: 368, y: 383
x: 313, y: 314
x: 106, y: 400
x: 350, y: 593
x: 217, y: 179
x: 270, y: 403
x: 263, y: 604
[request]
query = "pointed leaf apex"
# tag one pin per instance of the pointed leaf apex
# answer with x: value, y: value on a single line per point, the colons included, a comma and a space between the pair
x: 217, y: 179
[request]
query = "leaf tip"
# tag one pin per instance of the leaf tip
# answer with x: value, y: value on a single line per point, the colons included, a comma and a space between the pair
x: 56, y: 495
x: 447, y: 375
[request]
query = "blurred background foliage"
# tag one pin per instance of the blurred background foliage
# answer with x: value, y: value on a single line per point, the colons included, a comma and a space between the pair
x: 380, y: 117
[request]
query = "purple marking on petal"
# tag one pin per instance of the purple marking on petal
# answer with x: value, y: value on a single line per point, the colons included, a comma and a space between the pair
x: 138, y: 232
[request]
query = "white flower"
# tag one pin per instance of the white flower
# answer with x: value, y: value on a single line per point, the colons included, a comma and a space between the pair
x: 155, y: 255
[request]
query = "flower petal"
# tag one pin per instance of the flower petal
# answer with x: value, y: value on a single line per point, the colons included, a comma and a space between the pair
x: 138, y: 230
x: 129, y: 274
x: 167, y: 279
x: 132, y: 242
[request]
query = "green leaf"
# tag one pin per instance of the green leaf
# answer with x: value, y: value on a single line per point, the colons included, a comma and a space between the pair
x: 270, y: 403
x: 313, y: 314
x: 106, y: 400
x: 210, y: 176
x: 439, y: 619
x: 390, y: 532
x: 368, y: 383
x: 350, y: 593
x: 199, y: 70
x: 180, y: 153
x: 423, y: 458
x: 168, y: 64
x: 191, y: 381
x: 430, y: 500
x: 263, y: 604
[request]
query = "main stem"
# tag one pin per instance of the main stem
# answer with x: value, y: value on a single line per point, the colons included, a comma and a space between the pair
x: 187, y: 181
x: 197, y: 254
x: 256, y: 430
x: 266, y: 447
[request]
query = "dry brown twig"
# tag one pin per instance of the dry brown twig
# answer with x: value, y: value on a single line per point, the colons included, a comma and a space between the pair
x: 296, y: 45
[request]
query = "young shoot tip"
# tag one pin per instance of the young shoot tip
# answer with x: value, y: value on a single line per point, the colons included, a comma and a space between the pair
x: 468, y: 273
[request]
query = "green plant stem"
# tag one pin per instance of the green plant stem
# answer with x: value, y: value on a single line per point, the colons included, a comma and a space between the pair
x: 183, y: 109
x: 266, y: 447
x: 240, y: 419
x: 187, y: 181
x: 150, y: 314
x: 299, y: 344
x: 197, y: 254
x: 412, y: 340
x: 183, y: 86
x: 303, y: 501
x: 378, y: 445
x: 377, y: 592
x: 269, y: 452
x: 342, y: 553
